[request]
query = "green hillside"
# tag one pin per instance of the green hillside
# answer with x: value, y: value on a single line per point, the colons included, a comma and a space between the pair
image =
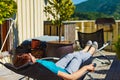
x: 92, y: 8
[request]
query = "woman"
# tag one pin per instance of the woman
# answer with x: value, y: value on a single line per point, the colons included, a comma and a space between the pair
x: 68, y: 66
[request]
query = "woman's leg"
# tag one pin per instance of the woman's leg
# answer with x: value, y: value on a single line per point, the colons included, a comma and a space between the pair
x: 93, y: 48
x: 91, y: 51
x: 72, y: 58
x: 78, y: 59
x: 76, y: 62
x: 63, y: 62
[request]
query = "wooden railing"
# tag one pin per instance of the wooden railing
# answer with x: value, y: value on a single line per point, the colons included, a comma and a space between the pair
x: 70, y: 29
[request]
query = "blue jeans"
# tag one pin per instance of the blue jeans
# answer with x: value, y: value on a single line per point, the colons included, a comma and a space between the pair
x: 72, y: 61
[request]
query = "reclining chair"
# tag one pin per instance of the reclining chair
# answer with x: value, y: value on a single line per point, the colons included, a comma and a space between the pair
x: 37, y: 71
x: 95, y: 36
x: 34, y: 71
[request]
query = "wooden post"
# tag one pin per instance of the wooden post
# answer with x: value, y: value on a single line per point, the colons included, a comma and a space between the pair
x: 69, y: 31
x: 4, y: 28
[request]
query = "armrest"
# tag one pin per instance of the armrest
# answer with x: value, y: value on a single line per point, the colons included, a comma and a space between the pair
x: 12, y: 67
x: 24, y: 66
x: 51, y: 58
x: 104, y: 45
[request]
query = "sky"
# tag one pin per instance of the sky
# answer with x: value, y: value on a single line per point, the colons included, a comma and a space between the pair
x: 77, y: 1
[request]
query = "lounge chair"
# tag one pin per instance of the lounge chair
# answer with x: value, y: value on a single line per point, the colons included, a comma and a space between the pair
x: 94, y: 36
x: 36, y: 71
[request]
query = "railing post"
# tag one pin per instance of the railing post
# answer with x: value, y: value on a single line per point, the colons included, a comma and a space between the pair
x: 69, y: 31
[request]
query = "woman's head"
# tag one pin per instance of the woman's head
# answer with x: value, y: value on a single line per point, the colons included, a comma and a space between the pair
x: 21, y: 59
x: 22, y: 56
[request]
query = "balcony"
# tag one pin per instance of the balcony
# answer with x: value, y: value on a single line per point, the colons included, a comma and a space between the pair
x: 70, y: 29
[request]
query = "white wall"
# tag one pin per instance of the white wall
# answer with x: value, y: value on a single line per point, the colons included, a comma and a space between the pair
x: 30, y: 18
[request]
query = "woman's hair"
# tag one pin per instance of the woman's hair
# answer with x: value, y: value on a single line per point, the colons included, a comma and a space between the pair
x: 21, y: 55
x: 21, y: 59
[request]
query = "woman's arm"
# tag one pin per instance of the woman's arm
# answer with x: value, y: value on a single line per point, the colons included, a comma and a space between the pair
x: 76, y: 75
x: 33, y: 59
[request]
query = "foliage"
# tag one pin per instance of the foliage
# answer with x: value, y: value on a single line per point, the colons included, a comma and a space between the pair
x: 108, y: 8
x: 7, y: 9
x: 117, y: 11
x: 117, y: 47
x: 60, y: 10
x: 88, y: 15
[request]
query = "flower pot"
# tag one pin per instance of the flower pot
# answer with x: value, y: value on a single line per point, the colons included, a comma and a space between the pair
x: 35, y: 43
x: 59, y: 49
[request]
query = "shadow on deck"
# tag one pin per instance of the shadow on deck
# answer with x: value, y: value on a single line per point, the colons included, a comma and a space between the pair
x: 104, y: 71
x: 114, y: 71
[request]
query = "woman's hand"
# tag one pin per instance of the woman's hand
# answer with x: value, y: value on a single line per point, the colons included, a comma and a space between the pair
x: 33, y: 59
x: 90, y: 67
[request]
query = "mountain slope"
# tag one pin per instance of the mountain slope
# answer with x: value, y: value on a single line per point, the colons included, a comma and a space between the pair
x: 104, y: 6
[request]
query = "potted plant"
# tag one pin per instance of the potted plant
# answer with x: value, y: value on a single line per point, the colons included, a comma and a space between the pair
x: 117, y: 47
x: 7, y: 9
x: 58, y: 11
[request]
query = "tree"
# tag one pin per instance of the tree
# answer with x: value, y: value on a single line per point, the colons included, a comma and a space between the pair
x: 60, y: 10
x: 7, y: 9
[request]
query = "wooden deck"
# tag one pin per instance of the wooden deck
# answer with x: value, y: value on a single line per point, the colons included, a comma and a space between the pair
x: 104, y: 71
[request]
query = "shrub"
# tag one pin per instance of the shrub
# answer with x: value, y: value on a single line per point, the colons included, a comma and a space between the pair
x: 117, y: 47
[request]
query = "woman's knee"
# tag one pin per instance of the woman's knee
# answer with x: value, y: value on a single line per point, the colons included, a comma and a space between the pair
x: 70, y: 55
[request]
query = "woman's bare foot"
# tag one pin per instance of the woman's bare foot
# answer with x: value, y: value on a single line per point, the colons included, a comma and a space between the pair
x: 88, y: 45
x: 93, y: 48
